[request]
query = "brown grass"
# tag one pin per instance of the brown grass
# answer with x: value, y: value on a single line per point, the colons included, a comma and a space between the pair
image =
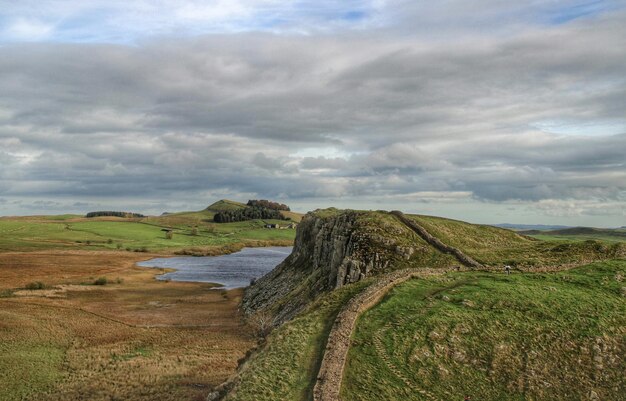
x: 135, y: 338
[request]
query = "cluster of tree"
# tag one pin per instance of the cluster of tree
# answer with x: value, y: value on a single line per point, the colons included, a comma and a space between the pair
x: 247, y: 213
x: 268, y: 204
x: 115, y: 214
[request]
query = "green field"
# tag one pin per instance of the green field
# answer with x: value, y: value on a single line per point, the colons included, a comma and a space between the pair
x: 191, y: 230
x: 579, y: 234
x: 495, y: 337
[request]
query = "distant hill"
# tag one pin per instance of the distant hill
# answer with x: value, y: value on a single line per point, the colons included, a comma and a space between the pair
x: 538, y: 227
x: 586, y: 231
x: 225, y: 205
x: 229, y: 205
x: 109, y: 213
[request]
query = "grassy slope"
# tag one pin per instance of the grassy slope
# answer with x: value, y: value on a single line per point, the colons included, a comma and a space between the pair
x: 378, y: 233
x: 579, y: 234
x: 495, y: 246
x: 495, y: 337
x: 285, y: 368
x: 225, y: 204
x: 34, y: 234
x: 71, y: 231
x: 580, y: 237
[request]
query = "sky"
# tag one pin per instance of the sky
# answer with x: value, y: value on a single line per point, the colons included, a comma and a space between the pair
x: 487, y: 111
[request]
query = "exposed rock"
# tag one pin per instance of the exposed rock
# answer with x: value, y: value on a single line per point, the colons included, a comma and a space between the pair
x: 338, y: 247
x: 213, y: 396
x: 332, y: 248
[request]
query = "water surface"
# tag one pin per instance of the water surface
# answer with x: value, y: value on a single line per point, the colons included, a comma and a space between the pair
x: 230, y: 271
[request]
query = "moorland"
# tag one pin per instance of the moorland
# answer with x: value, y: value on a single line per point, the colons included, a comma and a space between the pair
x: 79, y: 320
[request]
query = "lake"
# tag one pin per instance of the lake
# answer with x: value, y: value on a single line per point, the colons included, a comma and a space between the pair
x: 231, y: 271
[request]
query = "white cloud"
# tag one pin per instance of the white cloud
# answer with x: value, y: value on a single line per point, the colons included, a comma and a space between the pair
x: 28, y: 30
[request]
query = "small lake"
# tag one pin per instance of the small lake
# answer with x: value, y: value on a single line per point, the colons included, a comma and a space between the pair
x: 231, y: 271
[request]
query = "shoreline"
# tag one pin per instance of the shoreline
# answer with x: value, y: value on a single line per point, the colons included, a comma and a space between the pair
x: 215, y: 285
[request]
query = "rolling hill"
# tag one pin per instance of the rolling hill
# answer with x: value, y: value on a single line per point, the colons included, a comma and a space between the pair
x: 451, y: 311
x: 194, y: 232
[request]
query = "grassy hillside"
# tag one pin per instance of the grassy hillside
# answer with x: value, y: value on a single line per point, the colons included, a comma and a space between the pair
x: 494, y: 246
x: 495, y: 337
x: 130, y: 235
x: 224, y: 205
x: 474, y: 321
x: 285, y: 367
x: 193, y: 232
x: 334, y: 248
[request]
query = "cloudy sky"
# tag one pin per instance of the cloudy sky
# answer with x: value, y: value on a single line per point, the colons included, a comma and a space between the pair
x: 488, y: 111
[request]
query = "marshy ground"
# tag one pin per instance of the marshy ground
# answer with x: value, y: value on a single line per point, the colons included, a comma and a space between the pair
x: 133, y: 338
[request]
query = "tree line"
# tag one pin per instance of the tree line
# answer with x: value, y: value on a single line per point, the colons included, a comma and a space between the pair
x: 264, y: 203
x: 114, y: 214
x: 247, y: 213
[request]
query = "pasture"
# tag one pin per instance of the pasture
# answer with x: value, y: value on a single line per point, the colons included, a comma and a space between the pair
x: 494, y: 336
x: 138, y: 235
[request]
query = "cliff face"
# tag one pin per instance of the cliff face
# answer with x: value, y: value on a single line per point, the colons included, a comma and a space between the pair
x: 333, y: 248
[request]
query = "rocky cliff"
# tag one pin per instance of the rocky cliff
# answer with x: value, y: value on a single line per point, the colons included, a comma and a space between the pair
x: 334, y: 248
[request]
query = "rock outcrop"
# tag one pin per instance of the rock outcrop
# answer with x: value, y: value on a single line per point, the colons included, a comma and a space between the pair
x: 333, y: 248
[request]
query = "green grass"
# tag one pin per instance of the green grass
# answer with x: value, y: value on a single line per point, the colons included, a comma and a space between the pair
x: 224, y: 205
x: 62, y: 217
x: 27, y: 366
x: 494, y: 246
x: 44, y: 370
x: 495, y: 337
x: 286, y: 367
x: 33, y: 234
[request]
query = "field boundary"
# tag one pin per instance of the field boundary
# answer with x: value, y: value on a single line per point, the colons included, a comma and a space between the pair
x: 329, y: 378
x: 435, y: 242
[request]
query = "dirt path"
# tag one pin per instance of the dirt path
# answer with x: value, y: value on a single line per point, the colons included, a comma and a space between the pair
x: 330, y: 375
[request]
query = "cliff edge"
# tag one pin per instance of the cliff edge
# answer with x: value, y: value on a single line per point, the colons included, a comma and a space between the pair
x: 334, y: 248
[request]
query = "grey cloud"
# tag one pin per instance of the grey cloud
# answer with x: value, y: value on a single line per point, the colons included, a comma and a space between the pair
x: 260, y: 160
x: 324, y: 163
x: 227, y: 115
